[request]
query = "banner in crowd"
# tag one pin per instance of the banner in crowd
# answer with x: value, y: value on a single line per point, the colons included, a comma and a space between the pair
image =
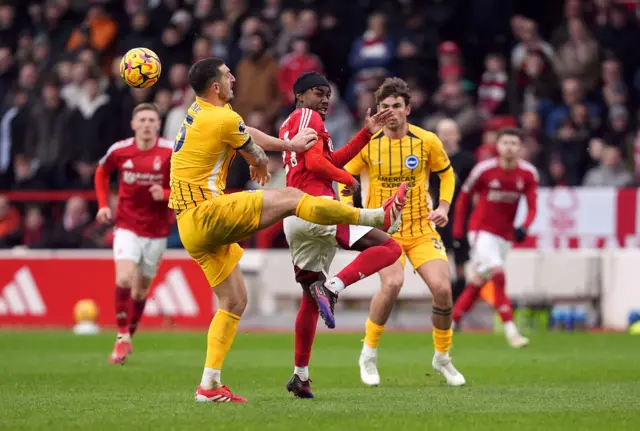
x: 584, y: 218
x: 43, y: 291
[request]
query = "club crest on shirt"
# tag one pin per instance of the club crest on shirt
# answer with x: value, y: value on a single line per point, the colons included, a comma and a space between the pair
x: 411, y: 162
x: 157, y: 163
x: 243, y: 129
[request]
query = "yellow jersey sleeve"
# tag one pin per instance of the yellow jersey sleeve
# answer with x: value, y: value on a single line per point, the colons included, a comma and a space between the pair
x: 438, y: 158
x: 234, y: 131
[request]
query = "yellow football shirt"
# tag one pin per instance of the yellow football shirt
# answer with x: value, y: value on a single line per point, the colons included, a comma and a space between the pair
x: 385, y: 163
x: 203, y: 152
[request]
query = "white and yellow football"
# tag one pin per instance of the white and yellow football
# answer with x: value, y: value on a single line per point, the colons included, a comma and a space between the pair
x: 140, y: 68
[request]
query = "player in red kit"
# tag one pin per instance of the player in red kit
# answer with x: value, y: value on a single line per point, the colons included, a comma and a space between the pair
x: 498, y: 184
x: 313, y: 246
x: 142, y: 219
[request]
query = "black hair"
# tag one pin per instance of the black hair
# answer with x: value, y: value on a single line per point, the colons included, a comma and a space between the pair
x: 203, y: 73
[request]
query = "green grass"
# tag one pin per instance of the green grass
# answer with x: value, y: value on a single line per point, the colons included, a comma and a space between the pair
x: 53, y: 380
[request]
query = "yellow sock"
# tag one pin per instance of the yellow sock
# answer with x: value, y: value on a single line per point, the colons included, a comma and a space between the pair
x: 222, y: 332
x: 442, y: 339
x: 372, y: 334
x: 326, y: 211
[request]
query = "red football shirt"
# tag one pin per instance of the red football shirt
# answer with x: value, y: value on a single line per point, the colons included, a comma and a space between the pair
x: 139, y: 170
x: 498, y: 192
x: 298, y: 173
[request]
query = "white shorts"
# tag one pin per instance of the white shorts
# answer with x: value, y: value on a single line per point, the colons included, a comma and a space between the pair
x: 313, y: 246
x: 146, y: 252
x: 488, y: 251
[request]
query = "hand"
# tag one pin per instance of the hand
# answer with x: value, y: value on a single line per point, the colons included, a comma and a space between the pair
x: 104, y: 216
x: 352, y: 189
x: 520, y: 234
x: 439, y: 216
x: 304, y: 139
x: 157, y: 192
x: 377, y: 122
x: 260, y: 175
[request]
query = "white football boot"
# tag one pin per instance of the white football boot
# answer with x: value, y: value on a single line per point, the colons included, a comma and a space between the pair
x: 518, y: 341
x: 369, y: 370
x: 442, y: 364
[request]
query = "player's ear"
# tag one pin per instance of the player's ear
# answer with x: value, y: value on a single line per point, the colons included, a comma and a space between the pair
x: 407, y: 110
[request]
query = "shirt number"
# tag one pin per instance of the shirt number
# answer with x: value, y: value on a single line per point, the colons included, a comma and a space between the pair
x: 293, y: 161
x: 182, y: 133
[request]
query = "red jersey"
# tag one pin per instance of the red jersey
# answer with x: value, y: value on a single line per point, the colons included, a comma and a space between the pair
x: 140, y: 169
x: 498, y: 192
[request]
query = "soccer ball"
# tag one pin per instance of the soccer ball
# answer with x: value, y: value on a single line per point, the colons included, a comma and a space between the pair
x: 140, y: 68
x: 85, y: 310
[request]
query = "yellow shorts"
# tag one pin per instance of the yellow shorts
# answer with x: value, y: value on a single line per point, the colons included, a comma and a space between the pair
x: 421, y: 249
x: 210, y: 231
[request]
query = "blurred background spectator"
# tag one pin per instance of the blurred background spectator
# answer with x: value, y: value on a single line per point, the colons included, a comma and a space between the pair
x: 567, y: 72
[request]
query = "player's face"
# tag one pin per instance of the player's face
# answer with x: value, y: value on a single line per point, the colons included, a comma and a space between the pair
x: 224, y: 86
x: 317, y: 99
x: 509, y: 147
x: 400, y: 111
x: 146, y: 125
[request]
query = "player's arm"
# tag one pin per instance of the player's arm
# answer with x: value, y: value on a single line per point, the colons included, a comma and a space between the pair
x: 355, y: 167
x: 468, y: 189
x: 316, y: 162
x: 441, y: 165
x: 236, y: 135
x: 371, y: 126
x: 300, y: 143
x: 531, y: 194
x: 106, y: 166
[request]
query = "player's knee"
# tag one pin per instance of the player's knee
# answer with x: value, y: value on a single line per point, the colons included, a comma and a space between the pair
x: 441, y: 291
x: 395, y: 249
x: 392, y: 284
x: 125, y: 279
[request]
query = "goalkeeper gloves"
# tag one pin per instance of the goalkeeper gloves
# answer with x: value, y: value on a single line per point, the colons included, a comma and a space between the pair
x: 519, y: 234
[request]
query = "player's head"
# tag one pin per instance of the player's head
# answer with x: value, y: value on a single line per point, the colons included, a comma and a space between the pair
x: 145, y: 121
x: 508, y: 143
x: 394, y: 94
x: 212, y: 80
x: 312, y: 91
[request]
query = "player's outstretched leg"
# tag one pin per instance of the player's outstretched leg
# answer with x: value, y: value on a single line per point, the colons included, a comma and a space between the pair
x: 435, y: 273
x: 377, y: 251
x: 305, y: 332
x: 232, y: 300
x: 392, y: 279
x: 280, y: 203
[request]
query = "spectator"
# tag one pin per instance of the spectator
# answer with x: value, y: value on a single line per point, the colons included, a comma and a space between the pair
x: 295, y: 64
x: 72, y: 90
x: 256, y: 88
x: 9, y: 218
x: 578, y: 57
x: 13, y: 127
x: 175, y: 116
x: 526, y: 31
x: 572, y: 10
x: 613, y: 90
x: 217, y: 30
x: 288, y: 32
x: 611, y: 172
x: 620, y: 36
x: 32, y: 234
x: 492, y: 90
x: 9, y: 31
x: 8, y: 71
x: 572, y: 93
x: 70, y: 231
x: 179, y: 82
x: 141, y: 33
x: 339, y: 122
x: 48, y: 141
x: 453, y: 103
x: 97, y: 31
x: 92, y: 131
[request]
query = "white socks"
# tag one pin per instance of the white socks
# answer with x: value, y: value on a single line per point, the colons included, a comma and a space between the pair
x: 335, y: 285
x: 373, y: 218
x: 369, y: 352
x: 302, y: 372
x: 510, y: 329
x: 210, y: 379
x: 125, y: 337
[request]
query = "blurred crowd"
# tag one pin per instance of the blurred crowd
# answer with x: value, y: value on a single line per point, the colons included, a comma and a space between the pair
x: 567, y: 72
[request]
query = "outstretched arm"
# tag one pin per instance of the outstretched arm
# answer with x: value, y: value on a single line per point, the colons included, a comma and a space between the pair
x: 253, y: 154
x: 300, y: 143
x: 371, y: 126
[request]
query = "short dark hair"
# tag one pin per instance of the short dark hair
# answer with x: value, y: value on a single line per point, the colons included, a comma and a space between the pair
x: 510, y: 131
x: 203, y: 73
x: 394, y: 87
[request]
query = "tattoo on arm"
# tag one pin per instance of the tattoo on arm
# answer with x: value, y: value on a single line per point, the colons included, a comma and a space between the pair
x: 253, y: 154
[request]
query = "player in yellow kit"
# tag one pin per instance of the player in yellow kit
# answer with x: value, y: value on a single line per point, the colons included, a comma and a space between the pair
x: 404, y: 152
x: 211, y: 223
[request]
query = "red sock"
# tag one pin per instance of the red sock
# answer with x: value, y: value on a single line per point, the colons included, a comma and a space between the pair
x: 123, y: 298
x: 305, y: 332
x: 502, y: 303
x: 137, y: 308
x: 465, y: 301
x: 370, y: 261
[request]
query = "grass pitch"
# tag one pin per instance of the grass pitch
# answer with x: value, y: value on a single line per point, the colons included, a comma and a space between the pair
x: 54, y: 380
